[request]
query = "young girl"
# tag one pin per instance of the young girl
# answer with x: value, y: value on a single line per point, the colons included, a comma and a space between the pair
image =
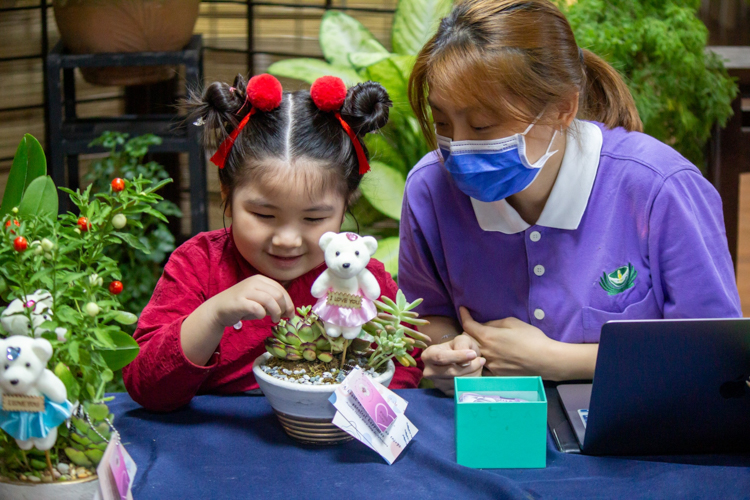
x: 288, y: 169
x: 546, y: 213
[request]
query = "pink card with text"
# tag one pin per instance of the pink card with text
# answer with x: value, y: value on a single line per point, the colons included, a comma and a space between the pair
x: 374, y: 404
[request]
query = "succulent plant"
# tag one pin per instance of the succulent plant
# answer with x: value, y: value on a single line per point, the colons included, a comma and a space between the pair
x: 303, y: 337
x: 392, y: 336
x: 89, y: 434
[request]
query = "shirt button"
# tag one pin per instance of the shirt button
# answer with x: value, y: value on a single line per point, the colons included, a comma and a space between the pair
x: 539, y: 270
x: 535, y: 236
x: 539, y: 314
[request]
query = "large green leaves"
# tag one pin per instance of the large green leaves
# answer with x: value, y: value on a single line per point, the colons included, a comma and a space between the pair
x: 415, y: 22
x: 28, y: 164
x: 125, y: 350
x: 384, y: 189
x: 387, y: 253
x: 309, y: 70
x: 40, y: 198
x: 341, y: 35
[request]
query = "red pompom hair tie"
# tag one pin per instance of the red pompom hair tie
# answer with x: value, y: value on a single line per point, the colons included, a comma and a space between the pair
x: 329, y: 93
x: 263, y: 93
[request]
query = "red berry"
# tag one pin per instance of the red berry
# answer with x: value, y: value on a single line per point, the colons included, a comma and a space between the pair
x: 115, y: 287
x: 20, y: 244
x: 8, y: 223
x: 118, y: 185
x: 84, y: 224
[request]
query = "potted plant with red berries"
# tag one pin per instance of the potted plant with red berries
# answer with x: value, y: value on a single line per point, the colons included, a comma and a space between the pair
x: 59, y: 287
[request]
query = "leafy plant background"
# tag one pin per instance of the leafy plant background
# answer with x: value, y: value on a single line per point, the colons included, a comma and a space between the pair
x: 141, y: 265
x: 657, y: 45
x: 71, y: 257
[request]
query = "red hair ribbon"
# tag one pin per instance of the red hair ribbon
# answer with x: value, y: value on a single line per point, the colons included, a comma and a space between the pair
x: 264, y: 93
x: 329, y: 93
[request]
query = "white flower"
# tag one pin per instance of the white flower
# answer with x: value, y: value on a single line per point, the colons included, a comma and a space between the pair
x: 15, y: 321
x: 95, y: 280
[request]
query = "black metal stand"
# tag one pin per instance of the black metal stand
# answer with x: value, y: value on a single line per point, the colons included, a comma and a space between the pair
x: 69, y: 136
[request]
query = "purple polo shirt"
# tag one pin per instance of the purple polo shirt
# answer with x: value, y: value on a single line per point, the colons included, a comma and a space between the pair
x: 631, y: 230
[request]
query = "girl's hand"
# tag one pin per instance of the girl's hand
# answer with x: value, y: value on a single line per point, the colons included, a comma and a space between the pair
x: 253, y: 298
x: 513, y: 347
x: 459, y: 357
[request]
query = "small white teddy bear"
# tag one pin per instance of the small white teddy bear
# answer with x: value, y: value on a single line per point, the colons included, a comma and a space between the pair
x: 346, y: 289
x: 23, y: 372
x: 14, y: 320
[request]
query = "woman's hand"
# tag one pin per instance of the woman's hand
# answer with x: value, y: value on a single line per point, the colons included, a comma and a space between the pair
x: 253, y: 298
x: 514, y: 348
x: 459, y: 357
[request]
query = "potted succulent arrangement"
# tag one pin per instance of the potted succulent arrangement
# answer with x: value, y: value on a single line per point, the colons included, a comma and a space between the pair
x: 312, y: 352
x: 94, y: 26
x: 61, y: 338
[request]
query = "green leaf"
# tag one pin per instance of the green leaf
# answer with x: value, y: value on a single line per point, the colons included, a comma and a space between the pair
x: 94, y: 455
x: 384, y: 189
x: 104, y: 337
x: 40, y: 199
x: 132, y: 241
x: 341, y: 34
x: 387, y: 253
x: 360, y: 60
x: 415, y: 22
x: 67, y: 378
x: 97, y: 411
x: 125, y: 318
x: 28, y: 164
x: 125, y: 351
x: 309, y: 70
x: 78, y: 457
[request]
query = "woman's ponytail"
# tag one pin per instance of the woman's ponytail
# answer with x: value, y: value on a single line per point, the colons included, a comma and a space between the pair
x: 605, y: 97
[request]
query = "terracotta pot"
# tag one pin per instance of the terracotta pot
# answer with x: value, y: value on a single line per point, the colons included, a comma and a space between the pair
x: 304, y: 410
x: 79, y: 489
x: 95, y: 26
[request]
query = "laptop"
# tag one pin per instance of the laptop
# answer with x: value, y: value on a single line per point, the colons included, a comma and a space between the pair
x: 661, y: 387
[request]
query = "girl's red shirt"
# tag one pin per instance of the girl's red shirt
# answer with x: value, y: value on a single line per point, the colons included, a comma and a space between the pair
x: 161, y: 377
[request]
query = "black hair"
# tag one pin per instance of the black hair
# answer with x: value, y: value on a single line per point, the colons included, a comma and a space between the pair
x: 296, y: 129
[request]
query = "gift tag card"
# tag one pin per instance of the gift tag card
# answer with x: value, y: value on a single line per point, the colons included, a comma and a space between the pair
x: 355, y: 420
x: 116, y: 472
x: 369, y: 397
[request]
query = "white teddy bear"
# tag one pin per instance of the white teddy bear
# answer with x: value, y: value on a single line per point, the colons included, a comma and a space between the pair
x: 346, y: 289
x: 14, y: 320
x: 23, y: 372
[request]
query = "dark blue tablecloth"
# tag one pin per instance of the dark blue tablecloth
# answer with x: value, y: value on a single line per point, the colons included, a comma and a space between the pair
x: 233, y: 447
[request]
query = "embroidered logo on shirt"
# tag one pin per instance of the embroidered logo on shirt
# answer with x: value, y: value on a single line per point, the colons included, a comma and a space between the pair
x: 618, y: 280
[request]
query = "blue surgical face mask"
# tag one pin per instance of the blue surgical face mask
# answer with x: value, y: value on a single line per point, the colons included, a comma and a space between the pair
x: 492, y: 170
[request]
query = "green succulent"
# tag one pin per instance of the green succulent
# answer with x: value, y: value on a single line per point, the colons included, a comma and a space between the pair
x: 303, y: 337
x: 392, y: 336
x: 89, y: 440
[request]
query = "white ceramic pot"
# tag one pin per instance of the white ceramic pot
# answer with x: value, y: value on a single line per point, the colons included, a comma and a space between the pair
x: 304, y: 410
x: 82, y: 489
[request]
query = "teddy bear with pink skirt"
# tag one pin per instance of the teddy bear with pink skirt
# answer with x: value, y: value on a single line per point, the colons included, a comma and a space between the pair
x: 347, y: 289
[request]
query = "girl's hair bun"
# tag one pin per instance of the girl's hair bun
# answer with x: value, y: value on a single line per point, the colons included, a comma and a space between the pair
x: 366, y: 107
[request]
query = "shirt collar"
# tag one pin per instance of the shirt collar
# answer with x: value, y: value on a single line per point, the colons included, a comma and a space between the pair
x: 570, y: 195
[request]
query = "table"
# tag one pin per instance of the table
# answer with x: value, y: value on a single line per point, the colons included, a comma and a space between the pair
x: 233, y: 447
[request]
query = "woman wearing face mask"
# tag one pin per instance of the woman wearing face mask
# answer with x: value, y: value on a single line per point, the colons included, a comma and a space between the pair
x: 545, y: 212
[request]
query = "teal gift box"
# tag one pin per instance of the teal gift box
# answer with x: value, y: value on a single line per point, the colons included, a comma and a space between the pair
x: 502, y: 435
